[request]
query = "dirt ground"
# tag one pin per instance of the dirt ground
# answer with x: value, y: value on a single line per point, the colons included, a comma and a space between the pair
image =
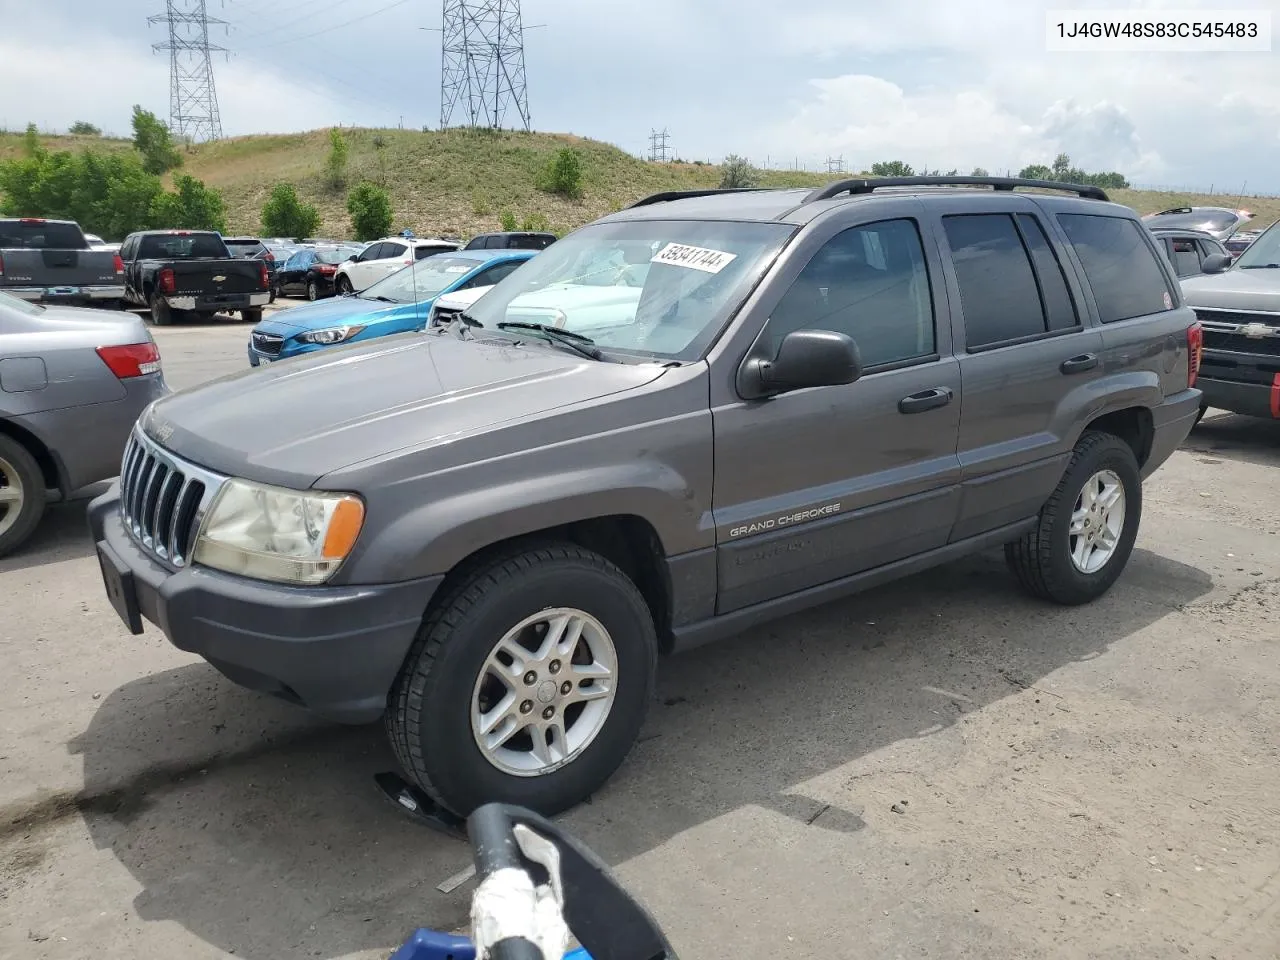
x: 942, y: 768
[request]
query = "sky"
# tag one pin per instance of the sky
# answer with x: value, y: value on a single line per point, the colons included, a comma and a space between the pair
x: 936, y: 83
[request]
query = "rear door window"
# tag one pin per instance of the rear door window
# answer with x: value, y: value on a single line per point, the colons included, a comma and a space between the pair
x: 1121, y: 266
x: 999, y: 296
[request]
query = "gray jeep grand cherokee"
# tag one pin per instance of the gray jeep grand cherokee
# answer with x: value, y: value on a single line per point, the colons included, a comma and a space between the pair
x: 706, y: 410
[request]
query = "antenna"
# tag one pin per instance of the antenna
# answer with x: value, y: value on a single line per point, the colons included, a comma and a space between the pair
x: 193, y: 101
x: 482, y: 62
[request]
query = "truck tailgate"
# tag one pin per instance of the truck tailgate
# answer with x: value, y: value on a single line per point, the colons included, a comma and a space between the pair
x: 57, y: 268
x: 194, y: 278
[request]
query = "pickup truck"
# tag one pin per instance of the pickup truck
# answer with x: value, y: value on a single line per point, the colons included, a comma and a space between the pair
x: 51, y: 261
x: 1239, y: 309
x: 186, y: 272
x: 488, y: 532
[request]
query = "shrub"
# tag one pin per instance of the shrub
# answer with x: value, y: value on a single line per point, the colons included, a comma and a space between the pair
x: 535, y: 221
x: 336, y: 163
x: 563, y: 175
x: 283, y: 215
x: 892, y: 168
x: 192, y: 205
x: 85, y: 129
x: 370, y: 210
x: 737, y: 172
x: 508, y: 220
x: 479, y: 206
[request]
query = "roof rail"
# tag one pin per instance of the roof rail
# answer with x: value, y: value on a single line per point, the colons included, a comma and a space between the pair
x: 869, y: 184
x: 689, y: 194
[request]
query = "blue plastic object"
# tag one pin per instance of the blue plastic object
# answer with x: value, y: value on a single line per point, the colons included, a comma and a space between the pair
x: 424, y: 944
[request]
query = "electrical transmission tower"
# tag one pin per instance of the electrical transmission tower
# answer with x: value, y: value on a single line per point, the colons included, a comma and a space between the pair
x: 482, y: 53
x: 658, y: 145
x: 835, y: 164
x: 193, y: 101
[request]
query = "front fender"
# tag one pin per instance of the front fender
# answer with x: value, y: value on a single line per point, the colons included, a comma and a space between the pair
x: 437, y: 535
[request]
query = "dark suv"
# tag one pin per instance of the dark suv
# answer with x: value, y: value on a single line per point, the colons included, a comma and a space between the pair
x: 707, y: 410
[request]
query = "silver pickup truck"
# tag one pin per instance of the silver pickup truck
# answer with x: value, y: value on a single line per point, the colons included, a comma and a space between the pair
x: 51, y: 261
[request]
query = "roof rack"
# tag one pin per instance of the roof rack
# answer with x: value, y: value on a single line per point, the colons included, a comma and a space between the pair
x: 689, y: 194
x: 868, y: 185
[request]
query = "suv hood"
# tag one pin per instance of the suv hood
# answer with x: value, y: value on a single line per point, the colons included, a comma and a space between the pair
x: 1235, y: 289
x: 296, y: 420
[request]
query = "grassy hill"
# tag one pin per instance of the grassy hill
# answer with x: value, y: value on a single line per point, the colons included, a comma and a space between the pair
x: 460, y: 181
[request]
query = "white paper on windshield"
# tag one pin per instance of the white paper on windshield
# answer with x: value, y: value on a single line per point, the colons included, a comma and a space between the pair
x: 695, y: 258
x: 456, y: 269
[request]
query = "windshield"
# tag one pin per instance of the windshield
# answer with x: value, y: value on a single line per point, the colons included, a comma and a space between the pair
x: 648, y: 287
x: 1263, y: 252
x: 422, y: 281
x: 10, y: 302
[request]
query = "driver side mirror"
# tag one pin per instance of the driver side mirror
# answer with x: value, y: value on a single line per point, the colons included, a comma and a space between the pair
x: 805, y: 358
x: 1215, y: 263
x: 353, y: 258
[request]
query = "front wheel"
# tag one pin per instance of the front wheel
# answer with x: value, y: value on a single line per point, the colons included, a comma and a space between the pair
x: 343, y: 286
x: 1087, y: 528
x: 528, y: 683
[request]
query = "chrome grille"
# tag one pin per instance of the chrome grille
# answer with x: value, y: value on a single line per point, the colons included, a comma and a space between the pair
x: 267, y: 343
x: 441, y: 316
x: 1240, y: 331
x: 163, y: 499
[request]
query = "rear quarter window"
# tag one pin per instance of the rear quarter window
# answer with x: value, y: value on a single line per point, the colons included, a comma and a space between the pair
x: 1120, y: 265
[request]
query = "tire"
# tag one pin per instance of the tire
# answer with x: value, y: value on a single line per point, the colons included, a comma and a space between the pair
x: 429, y: 716
x: 273, y: 294
x: 313, y: 291
x: 343, y: 286
x: 19, y: 471
x: 251, y: 315
x: 1042, y: 559
x: 161, y: 315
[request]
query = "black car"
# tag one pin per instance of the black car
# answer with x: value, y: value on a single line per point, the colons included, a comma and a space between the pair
x: 511, y: 240
x: 309, y: 272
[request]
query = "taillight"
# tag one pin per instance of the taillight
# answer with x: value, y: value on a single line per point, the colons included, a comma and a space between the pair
x: 326, y: 269
x: 1195, y: 350
x: 407, y: 262
x: 168, y: 282
x: 33, y: 220
x: 1, y: 265
x: 131, y: 360
x: 118, y: 263
x: 264, y: 278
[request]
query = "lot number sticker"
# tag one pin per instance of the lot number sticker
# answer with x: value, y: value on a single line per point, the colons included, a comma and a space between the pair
x: 695, y: 258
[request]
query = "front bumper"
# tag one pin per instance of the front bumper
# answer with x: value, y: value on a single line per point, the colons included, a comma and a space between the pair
x: 1250, y: 399
x: 223, y: 301
x: 335, y: 650
x: 91, y: 294
x: 1171, y: 421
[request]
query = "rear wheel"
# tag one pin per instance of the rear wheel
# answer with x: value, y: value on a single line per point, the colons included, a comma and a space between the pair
x: 22, y: 494
x: 1087, y: 528
x: 528, y: 683
x: 313, y: 290
x: 161, y: 315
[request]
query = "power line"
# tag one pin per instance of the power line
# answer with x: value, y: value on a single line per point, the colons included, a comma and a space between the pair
x: 658, y: 149
x: 193, y: 99
x: 482, y: 62
x: 338, y: 26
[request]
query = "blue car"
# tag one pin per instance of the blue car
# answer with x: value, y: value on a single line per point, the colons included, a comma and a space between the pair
x: 399, y: 303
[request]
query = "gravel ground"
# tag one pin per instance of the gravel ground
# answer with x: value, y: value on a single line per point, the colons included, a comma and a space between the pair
x: 942, y: 768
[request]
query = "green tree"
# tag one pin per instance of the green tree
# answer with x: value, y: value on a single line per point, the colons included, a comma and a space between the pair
x: 563, y: 174
x: 892, y: 168
x: 979, y: 172
x: 151, y: 139
x: 336, y: 163
x: 284, y: 215
x: 85, y: 129
x: 31, y: 146
x: 737, y: 172
x: 1036, y: 171
x: 192, y: 205
x: 370, y: 210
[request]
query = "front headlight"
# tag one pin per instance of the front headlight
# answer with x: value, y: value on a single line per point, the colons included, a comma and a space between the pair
x: 271, y: 533
x: 331, y: 334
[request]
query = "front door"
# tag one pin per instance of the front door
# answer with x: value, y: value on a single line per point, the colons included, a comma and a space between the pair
x: 364, y: 271
x: 818, y: 484
x: 1028, y: 358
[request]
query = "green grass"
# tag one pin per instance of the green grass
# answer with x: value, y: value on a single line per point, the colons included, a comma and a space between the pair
x: 460, y: 181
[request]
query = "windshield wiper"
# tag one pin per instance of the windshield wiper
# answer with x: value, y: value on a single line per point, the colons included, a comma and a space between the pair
x: 468, y: 319
x: 1261, y: 266
x: 381, y: 298
x: 575, y: 341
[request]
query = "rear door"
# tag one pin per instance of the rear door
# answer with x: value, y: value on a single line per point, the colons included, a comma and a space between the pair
x: 1028, y: 355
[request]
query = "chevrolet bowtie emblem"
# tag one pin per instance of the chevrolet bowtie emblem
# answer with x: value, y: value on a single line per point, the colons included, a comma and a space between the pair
x: 218, y: 279
x: 1255, y: 330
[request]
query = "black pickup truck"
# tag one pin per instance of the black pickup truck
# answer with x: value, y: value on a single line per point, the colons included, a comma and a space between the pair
x: 50, y: 261
x: 187, y: 272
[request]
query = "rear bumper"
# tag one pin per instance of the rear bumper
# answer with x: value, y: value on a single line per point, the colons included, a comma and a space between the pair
x: 1171, y: 422
x: 334, y: 650
x: 1250, y: 399
x: 225, y: 301
x: 71, y: 295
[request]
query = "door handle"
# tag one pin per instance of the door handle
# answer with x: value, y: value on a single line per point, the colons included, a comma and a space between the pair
x: 925, y: 400
x: 1086, y: 361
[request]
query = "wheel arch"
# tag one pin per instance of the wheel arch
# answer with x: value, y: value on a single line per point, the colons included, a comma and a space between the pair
x: 51, y: 467
x: 1134, y: 425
